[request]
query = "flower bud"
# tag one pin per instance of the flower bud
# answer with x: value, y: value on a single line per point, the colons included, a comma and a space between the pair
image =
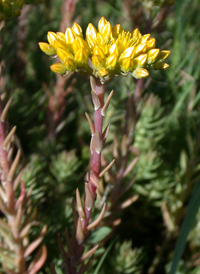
x: 58, y: 68
x: 136, y: 33
x: 61, y: 36
x: 128, y: 53
x: 160, y: 66
x: 140, y: 49
x: 151, y: 44
x: 97, y: 62
x: 116, y: 30
x: 106, y: 31
x: 70, y: 64
x: 63, y: 54
x: 140, y: 61
x: 79, y: 43
x: 144, y: 38
x: 98, y: 51
x: 60, y: 44
x: 114, y: 49
x: 111, y: 61
x: 90, y: 41
x: 152, y: 55
x: 126, y: 64
x: 91, y: 31
x: 81, y: 56
x: 51, y: 36
x: 102, y: 72
x: 47, y: 49
x: 77, y: 29
x: 102, y: 23
x: 140, y: 73
x: 162, y: 55
x: 70, y: 36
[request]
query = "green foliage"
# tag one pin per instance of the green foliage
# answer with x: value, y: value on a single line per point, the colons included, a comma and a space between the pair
x: 126, y: 260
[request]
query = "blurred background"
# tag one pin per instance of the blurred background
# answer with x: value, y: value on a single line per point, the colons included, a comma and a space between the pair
x: 159, y: 116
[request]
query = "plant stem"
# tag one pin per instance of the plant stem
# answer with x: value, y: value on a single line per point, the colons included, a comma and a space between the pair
x: 10, y: 194
x: 7, y: 184
x: 96, y: 157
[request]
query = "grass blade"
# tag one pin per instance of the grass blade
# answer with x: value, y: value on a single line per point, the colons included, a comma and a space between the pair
x: 186, y: 227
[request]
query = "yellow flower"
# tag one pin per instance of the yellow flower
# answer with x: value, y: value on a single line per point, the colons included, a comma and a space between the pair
x: 47, y: 49
x: 59, y: 68
x: 104, y: 52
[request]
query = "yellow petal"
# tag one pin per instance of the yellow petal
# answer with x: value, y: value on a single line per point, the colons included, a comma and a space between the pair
x: 126, y: 64
x: 58, y: 68
x: 77, y: 29
x: 140, y: 49
x: 97, y: 61
x: 51, y: 36
x: 140, y: 73
x: 63, y: 54
x: 136, y: 33
x: 106, y: 31
x: 160, y: 66
x: 144, y: 38
x: 70, y: 64
x: 60, y: 44
x: 111, y: 61
x: 102, y: 23
x: 61, y: 36
x: 129, y: 52
x: 98, y: 51
x: 163, y: 55
x: 102, y: 72
x: 81, y: 56
x: 79, y: 43
x: 100, y: 40
x: 152, y: 55
x: 140, y: 61
x: 91, y: 31
x: 90, y: 41
x: 47, y: 49
x: 70, y: 35
x: 114, y: 49
x: 116, y: 30
x: 151, y: 43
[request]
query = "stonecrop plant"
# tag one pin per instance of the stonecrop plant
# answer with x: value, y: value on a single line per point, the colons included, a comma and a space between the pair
x: 102, y: 54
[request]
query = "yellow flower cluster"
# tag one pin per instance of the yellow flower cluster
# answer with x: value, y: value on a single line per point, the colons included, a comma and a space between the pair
x: 104, y: 53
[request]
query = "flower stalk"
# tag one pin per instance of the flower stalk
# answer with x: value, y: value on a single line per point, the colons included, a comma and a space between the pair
x: 82, y: 226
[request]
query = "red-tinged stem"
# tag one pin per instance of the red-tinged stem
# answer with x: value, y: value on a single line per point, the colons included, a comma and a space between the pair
x: 98, y: 123
x: 7, y: 185
x: 10, y: 194
x: 99, y: 89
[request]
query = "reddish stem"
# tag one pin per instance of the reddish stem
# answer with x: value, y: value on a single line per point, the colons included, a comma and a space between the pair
x: 10, y: 194
x: 7, y: 185
x: 96, y: 158
x: 98, y: 123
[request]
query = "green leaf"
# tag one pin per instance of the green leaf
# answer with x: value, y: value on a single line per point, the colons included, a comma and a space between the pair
x: 104, y: 256
x: 99, y: 234
x: 186, y: 227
